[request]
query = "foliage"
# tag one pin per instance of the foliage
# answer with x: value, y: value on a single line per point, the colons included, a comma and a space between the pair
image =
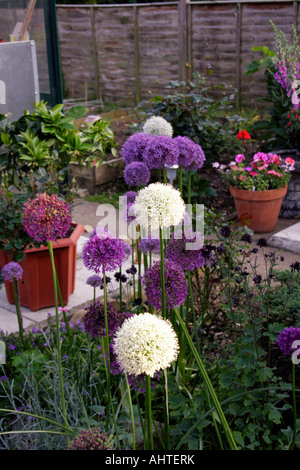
x: 281, y: 129
x: 193, y: 112
x: 48, y: 140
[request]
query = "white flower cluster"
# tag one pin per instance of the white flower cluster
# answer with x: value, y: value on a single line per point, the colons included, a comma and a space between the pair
x: 145, y: 344
x: 158, y: 205
x: 157, y: 125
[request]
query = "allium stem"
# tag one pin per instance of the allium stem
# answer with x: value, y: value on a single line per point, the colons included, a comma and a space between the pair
x: 149, y: 413
x: 180, y: 180
x: 18, y: 308
x: 133, y: 261
x: 162, y: 274
x: 208, y: 384
x: 292, y: 445
x: 121, y: 293
x: 189, y: 187
x: 131, y: 412
x: 50, y: 248
x: 107, y: 351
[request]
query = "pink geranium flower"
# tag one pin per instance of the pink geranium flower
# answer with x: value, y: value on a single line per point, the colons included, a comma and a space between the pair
x: 239, y: 158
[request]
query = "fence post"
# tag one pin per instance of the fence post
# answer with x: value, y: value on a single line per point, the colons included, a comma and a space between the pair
x: 238, y: 54
x: 182, y: 38
x: 95, y: 54
x: 137, y: 71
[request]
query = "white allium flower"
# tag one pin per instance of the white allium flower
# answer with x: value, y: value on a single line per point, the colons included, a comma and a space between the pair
x: 158, y: 205
x: 145, y: 344
x: 157, y: 125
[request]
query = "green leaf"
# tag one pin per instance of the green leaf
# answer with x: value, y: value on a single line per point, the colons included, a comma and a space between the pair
x: 238, y: 438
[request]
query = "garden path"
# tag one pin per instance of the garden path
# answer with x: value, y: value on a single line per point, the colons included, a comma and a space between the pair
x: 90, y: 214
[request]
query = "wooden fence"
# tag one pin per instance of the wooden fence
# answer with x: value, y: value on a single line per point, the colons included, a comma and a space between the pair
x: 124, y: 53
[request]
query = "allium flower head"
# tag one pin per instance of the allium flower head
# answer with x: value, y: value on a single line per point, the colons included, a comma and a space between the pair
x: 104, y: 253
x: 128, y: 198
x: 47, y: 218
x: 12, y: 271
x: 90, y: 439
x: 157, y: 125
x: 149, y: 244
x: 286, y: 339
x: 191, y: 155
x: 188, y: 259
x: 175, y: 284
x: 133, y: 149
x: 94, y: 319
x: 94, y: 281
x: 160, y: 151
x: 159, y: 205
x: 137, y: 174
x: 145, y: 344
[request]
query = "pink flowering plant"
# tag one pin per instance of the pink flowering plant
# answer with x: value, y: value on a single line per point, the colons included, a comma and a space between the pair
x: 264, y: 172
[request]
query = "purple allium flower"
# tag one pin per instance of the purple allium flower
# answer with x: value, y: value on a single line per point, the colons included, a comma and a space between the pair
x: 128, y: 198
x: 149, y: 245
x: 94, y: 281
x: 160, y: 151
x: 90, y: 439
x: 104, y: 253
x: 187, y: 259
x: 137, y: 174
x: 12, y: 271
x: 100, y: 231
x: 191, y: 155
x: 175, y: 284
x: 47, y: 218
x: 94, y: 320
x: 134, y: 147
x: 286, y: 339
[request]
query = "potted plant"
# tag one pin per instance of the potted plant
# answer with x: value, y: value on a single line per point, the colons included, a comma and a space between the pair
x: 258, y: 187
x: 34, y: 155
x: 90, y: 175
x: 36, y: 286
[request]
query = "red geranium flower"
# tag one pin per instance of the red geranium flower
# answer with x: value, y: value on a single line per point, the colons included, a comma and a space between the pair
x: 243, y: 135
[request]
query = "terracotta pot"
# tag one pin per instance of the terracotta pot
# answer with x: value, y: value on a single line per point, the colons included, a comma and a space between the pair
x: 36, y: 286
x: 259, y: 210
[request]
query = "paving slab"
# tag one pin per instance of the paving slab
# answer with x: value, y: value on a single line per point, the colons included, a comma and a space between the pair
x: 288, y: 239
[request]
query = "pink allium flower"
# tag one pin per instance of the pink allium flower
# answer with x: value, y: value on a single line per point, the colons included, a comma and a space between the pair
x: 239, y: 158
x: 47, y: 218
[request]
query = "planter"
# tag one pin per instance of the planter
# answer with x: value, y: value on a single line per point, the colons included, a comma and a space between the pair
x: 36, y: 286
x: 259, y: 210
x: 91, y: 178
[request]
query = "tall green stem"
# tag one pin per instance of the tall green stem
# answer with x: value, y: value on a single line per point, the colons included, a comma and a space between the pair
x: 18, y: 309
x: 180, y: 181
x: 292, y: 445
x: 162, y: 274
x: 131, y: 412
x: 189, y: 187
x: 107, y: 350
x: 149, y: 413
x: 209, y: 386
x: 50, y: 248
